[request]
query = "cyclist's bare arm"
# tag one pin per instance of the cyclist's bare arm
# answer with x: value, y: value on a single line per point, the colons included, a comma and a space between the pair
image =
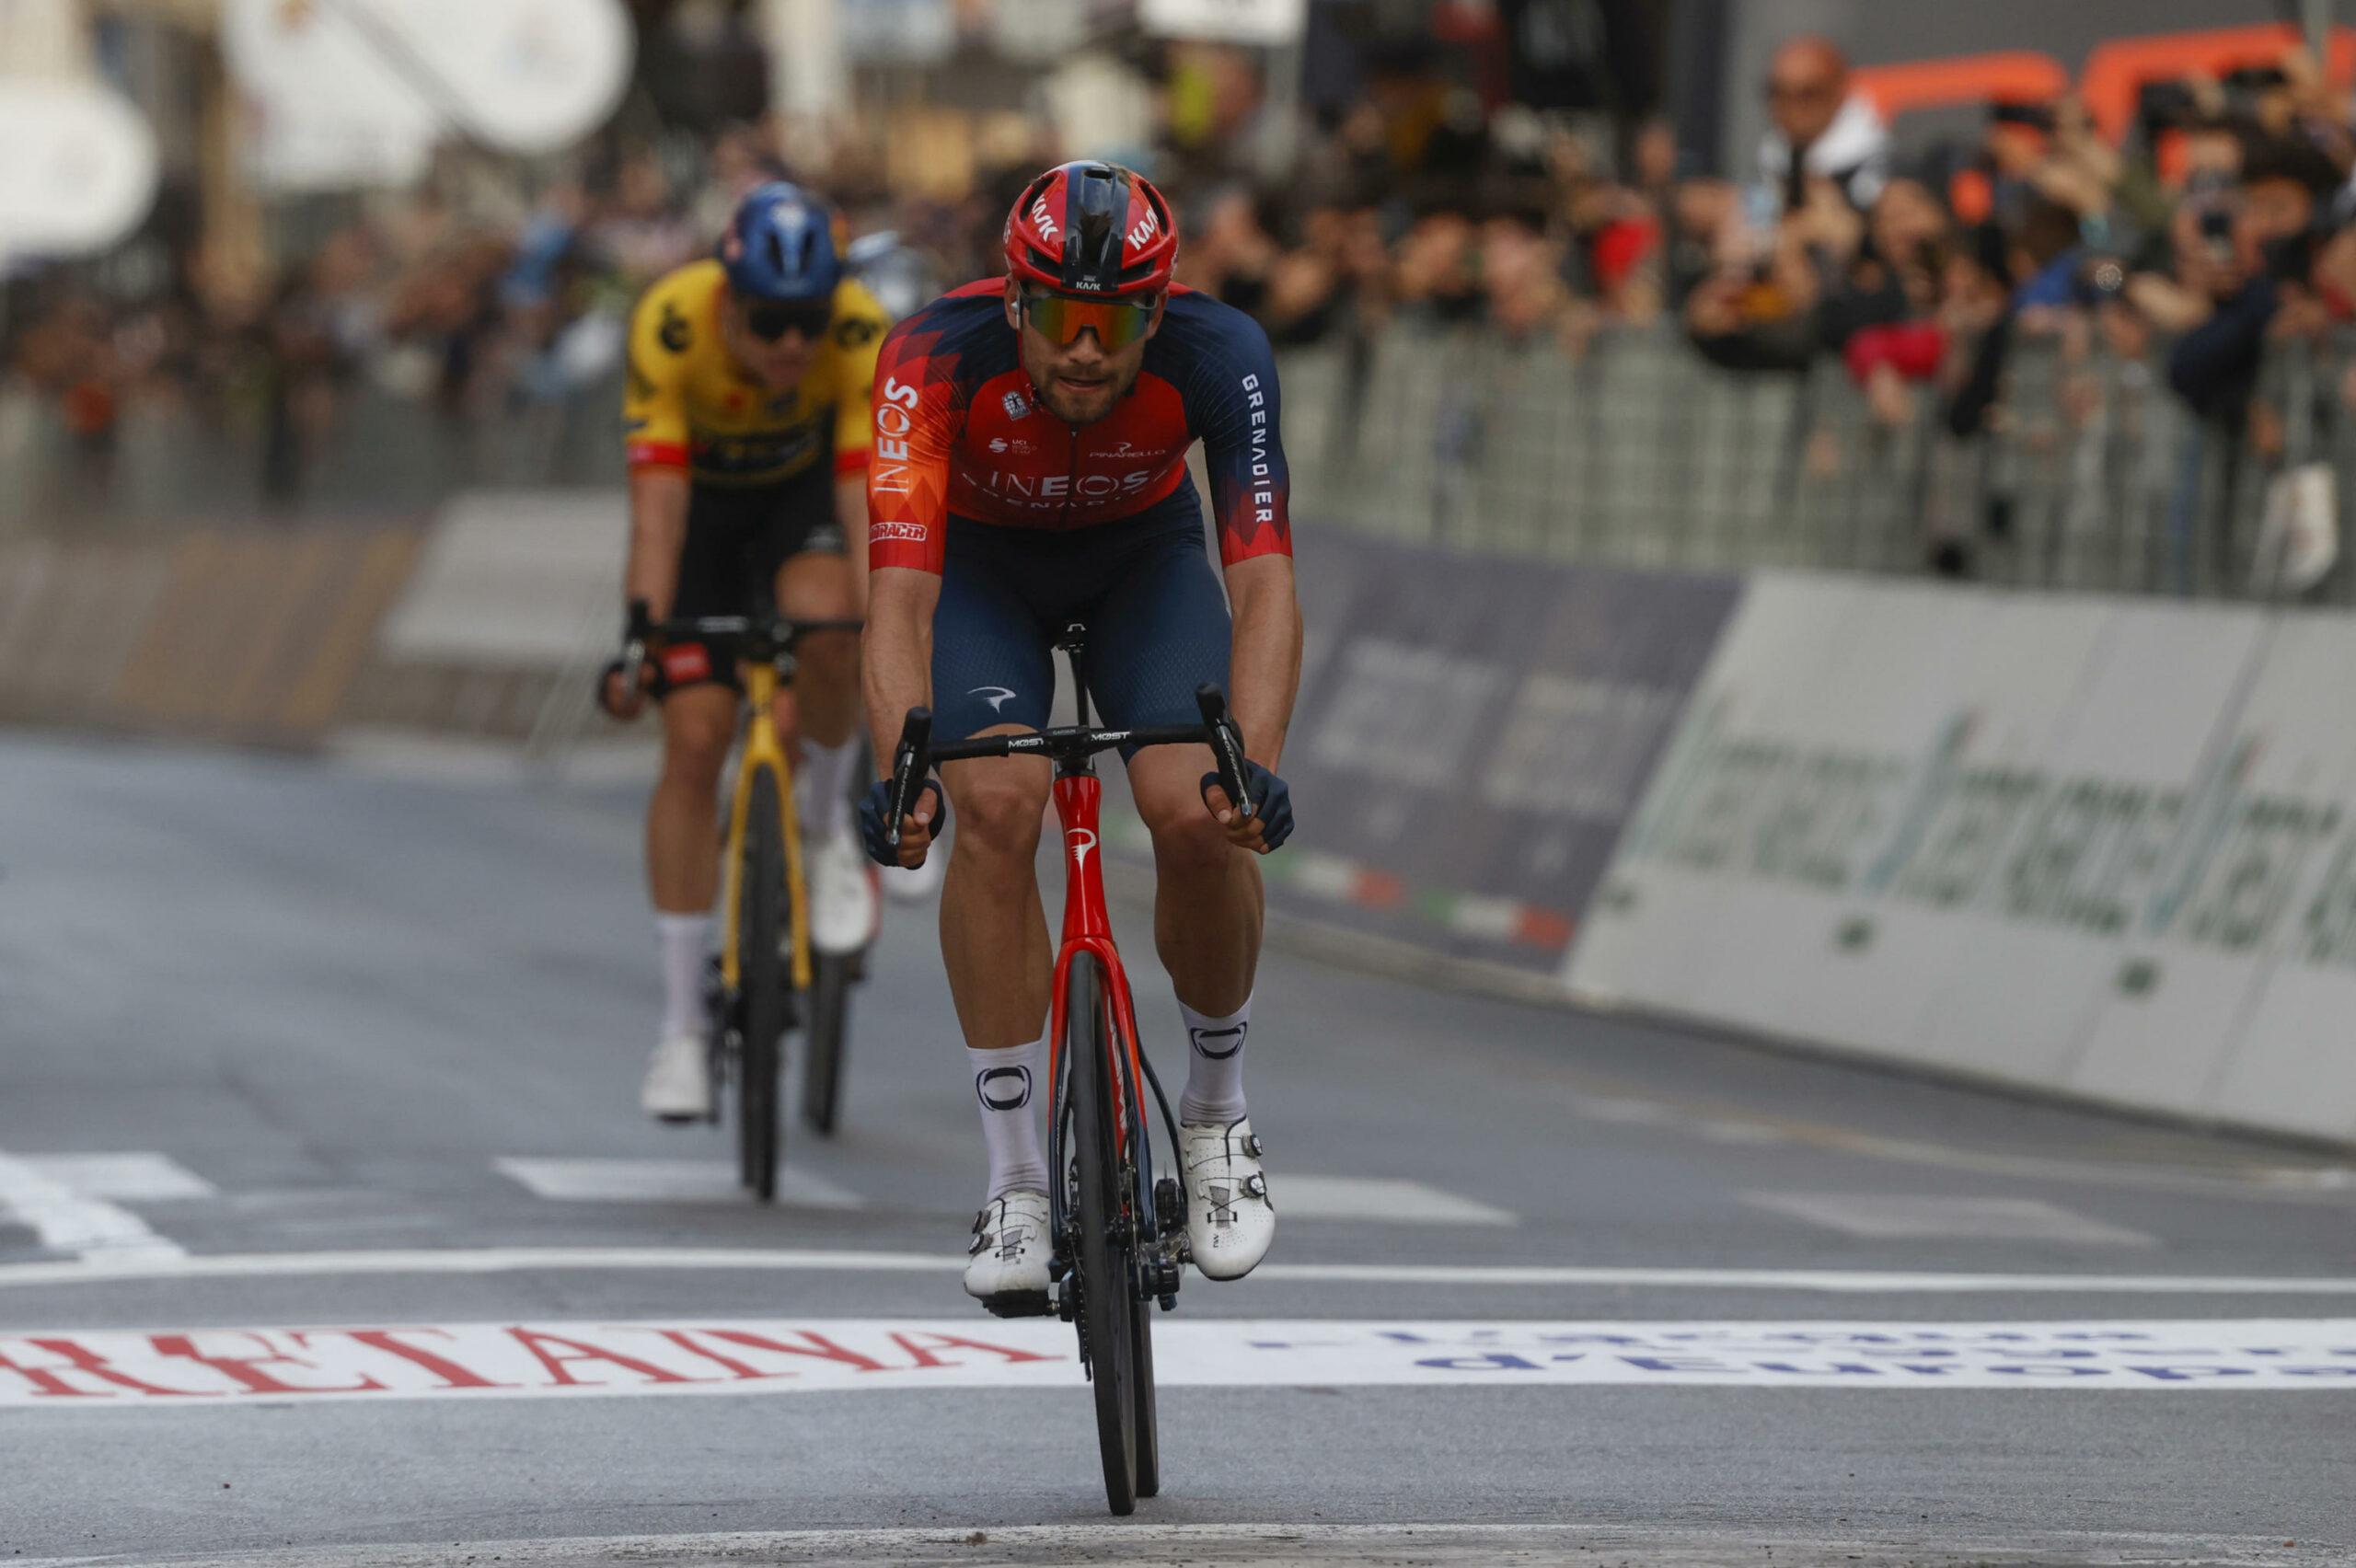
x: 1266, y: 659
x: 658, y: 532
x: 850, y: 514
x: 898, y: 677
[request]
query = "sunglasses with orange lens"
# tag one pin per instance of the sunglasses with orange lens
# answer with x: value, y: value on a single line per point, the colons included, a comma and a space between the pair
x: 1061, y: 318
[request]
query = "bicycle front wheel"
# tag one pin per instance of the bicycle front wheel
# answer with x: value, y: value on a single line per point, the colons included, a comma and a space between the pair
x: 760, y: 966
x: 822, y: 1047
x: 1101, y: 1264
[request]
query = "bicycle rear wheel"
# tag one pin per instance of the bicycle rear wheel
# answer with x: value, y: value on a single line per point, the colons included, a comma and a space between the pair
x: 822, y: 1046
x: 1100, y: 1262
x: 760, y: 934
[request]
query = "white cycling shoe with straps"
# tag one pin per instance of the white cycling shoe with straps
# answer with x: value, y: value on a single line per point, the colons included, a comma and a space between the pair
x: 1229, y: 1220
x: 678, y: 1079
x: 1006, y: 1268
x: 843, y: 903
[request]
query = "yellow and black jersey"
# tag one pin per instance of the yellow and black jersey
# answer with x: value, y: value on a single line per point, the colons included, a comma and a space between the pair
x: 688, y: 407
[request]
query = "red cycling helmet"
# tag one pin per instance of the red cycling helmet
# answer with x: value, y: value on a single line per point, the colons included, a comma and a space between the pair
x: 1092, y: 228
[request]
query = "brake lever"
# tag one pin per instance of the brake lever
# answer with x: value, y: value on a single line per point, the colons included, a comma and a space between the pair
x: 911, y: 761
x: 1227, y: 748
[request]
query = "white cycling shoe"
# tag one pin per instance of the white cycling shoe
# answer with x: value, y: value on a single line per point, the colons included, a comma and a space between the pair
x: 1006, y: 1268
x: 1230, y: 1221
x: 905, y: 884
x: 843, y: 906
x: 678, y: 1079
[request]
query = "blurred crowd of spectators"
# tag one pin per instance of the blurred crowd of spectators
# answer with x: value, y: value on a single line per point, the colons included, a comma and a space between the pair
x: 2223, y: 221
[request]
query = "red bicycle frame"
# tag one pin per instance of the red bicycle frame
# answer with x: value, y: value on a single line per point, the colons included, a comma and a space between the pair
x: 1088, y: 928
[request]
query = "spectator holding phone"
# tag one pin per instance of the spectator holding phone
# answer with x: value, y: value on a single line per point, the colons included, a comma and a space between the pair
x: 2250, y: 253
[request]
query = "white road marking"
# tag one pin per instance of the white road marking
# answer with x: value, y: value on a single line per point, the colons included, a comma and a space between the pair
x: 69, y: 1221
x: 1378, y: 1198
x: 1723, y: 1123
x: 186, y: 1369
x: 140, y: 1177
x: 1286, y: 1545
x: 1372, y: 1198
x: 511, y: 1260
x: 664, y: 1181
x: 1888, y: 1215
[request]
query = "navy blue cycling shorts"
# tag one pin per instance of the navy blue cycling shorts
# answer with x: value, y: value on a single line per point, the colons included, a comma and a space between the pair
x: 1157, y: 623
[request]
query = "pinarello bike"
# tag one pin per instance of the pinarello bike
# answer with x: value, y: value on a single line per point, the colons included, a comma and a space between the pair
x: 1117, y: 1230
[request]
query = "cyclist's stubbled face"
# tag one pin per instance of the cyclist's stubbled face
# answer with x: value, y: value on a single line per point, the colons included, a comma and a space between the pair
x: 777, y: 363
x: 1080, y: 382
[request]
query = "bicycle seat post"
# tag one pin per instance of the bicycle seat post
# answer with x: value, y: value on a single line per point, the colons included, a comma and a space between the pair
x: 1072, y: 644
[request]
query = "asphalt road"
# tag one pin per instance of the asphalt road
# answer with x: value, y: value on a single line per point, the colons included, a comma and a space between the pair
x: 360, y: 1050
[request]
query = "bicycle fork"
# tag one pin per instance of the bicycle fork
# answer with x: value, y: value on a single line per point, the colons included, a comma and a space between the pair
x: 1153, y: 1221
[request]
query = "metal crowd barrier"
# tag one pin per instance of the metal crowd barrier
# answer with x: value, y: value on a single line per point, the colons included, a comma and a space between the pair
x: 2092, y: 477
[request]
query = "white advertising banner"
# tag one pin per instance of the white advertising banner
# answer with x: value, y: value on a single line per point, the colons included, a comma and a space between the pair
x: 356, y: 92
x: 1268, y: 22
x: 2088, y: 844
x: 77, y: 168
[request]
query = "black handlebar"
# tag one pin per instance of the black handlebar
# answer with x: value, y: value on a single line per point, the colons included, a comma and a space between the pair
x: 766, y: 636
x: 913, y: 759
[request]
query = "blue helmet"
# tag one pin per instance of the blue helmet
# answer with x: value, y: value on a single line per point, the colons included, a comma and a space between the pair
x: 780, y: 247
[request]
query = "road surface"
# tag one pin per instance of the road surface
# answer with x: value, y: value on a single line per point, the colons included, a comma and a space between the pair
x: 329, y: 1231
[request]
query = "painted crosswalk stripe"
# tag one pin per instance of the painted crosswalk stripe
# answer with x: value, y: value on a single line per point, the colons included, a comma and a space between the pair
x: 664, y: 1181
x: 1373, y: 1199
x: 142, y: 1177
x: 190, y: 1369
x: 1380, y: 1200
x: 1899, y: 1217
x: 67, y: 1220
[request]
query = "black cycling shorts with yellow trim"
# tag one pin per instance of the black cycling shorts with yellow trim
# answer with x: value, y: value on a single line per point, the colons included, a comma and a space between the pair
x: 736, y: 541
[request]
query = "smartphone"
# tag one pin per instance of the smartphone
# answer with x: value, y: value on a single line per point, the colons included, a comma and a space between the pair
x: 2217, y: 233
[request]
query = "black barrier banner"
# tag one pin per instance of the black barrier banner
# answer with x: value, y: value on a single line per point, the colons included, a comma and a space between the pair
x: 1471, y: 735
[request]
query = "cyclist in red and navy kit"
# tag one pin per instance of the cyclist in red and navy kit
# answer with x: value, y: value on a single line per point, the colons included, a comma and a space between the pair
x: 1030, y: 470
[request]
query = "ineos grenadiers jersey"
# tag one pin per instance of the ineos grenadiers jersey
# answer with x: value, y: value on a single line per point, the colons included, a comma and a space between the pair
x: 960, y: 432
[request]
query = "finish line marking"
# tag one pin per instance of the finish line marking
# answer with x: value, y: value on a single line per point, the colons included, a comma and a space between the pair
x: 104, y: 1268
x: 196, y: 1367
x: 1257, y: 1546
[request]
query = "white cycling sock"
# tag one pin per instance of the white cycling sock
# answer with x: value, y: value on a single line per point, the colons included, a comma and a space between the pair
x: 1003, y: 1081
x: 1214, y: 1066
x: 825, y: 786
x: 685, y: 940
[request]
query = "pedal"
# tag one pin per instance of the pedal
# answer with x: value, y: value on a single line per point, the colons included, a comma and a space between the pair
x: 1170, y: 1206
x: 1018, y: 1304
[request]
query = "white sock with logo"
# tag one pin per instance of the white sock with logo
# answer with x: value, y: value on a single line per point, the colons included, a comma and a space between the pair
x: 684, y: 940
x: 1214, y: 1066
x: 825, y: 786
x: 1003, y: 1081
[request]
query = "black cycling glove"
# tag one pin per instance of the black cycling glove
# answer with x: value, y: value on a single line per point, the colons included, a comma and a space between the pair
x: 878, y: 802
x: 1274, y: 797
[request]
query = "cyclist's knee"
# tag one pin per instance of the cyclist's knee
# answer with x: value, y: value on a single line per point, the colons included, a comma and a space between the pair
x: 998, y: 812
x: 1184, y: 833
x: 695, y: 747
